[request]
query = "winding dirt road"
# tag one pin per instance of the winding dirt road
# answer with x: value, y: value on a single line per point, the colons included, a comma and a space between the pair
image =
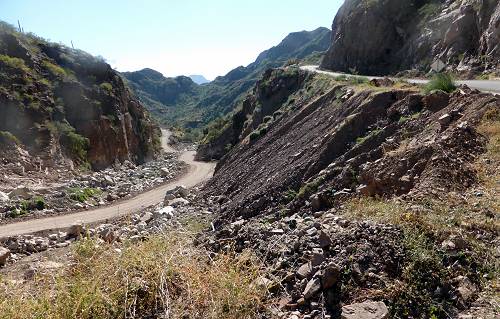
x: 197, y: 172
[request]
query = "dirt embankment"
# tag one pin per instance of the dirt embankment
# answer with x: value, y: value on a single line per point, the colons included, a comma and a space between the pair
x: 377, y: 142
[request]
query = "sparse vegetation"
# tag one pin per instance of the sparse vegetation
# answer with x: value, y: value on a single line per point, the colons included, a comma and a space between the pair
x: 441, y: 81
x: 106, y: 86
x: 309, y: 188
x: 83, y: 194
x: 74, y: 143
x: 164, y: 276
x: 14, y: 63
x: 54, y: 69
x: 8, y: 138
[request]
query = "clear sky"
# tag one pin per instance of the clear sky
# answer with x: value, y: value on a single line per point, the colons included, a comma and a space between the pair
x: 172, y: 36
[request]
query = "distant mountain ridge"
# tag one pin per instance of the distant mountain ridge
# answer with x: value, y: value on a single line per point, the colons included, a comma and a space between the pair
x: 199, y: 79
x: 181, y: 100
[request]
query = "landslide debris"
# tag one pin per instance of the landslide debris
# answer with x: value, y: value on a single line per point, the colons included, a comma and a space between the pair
x: 364, y: 199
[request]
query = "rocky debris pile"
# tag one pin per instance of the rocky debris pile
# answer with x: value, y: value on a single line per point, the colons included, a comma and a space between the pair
x: 324, y: 265
x: 89, y: 190
x: 179, y: 202
x: 317, y: 262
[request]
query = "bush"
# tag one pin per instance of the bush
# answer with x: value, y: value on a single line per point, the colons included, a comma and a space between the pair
x: 8, y: 138
x: 73, y: 142
x: 254, y: 135
x: 14, y: 63
x: 55, y: 70
x: 107, y: 87
x: 441, y: 81
x: 83, y: 194
x: 164, y: 276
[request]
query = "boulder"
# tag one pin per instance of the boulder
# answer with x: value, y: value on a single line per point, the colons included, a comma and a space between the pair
x: 21, y: 192
x: 312, y: 288
x: 4, y: 197
x: 330, y: 276
x: 164, y: 172
x: 4, y: 255
x: 76, y: 229
x: 365, y: 310
x: 177, y: 202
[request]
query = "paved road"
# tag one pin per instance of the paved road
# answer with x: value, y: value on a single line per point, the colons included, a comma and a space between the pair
x: 489, y: 86
x: 197, y: 173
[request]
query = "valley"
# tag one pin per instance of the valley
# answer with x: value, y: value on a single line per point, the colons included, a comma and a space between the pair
x: 338, y: 176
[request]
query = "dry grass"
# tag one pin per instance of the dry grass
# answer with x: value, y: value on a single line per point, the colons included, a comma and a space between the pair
x: 163, y: 277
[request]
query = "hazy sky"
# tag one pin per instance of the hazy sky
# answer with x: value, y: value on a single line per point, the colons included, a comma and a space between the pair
x: 172, y: 36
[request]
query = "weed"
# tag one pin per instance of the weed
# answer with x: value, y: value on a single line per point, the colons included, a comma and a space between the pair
x: 441, y: 81
x: 164, y: 276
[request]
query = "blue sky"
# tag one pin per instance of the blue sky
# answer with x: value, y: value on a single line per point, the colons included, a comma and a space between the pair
x: 172, y: 36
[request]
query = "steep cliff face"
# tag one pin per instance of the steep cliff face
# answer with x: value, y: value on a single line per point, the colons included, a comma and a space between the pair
x: 59, y: 101
x: 411, y: 34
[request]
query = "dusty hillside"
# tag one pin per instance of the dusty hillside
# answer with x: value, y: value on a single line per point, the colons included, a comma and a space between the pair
x: 362, y: 192
x: 60, y: 104
x: 411, y: 34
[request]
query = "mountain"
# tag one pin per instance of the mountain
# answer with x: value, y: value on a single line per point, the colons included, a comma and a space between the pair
x: 199, y: 79
x: 411, y: 34
x: 182, y: 101
x: 57, y: 102
x: 166, y: 98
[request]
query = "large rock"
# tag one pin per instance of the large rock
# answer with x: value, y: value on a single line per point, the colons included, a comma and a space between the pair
x: 21, y: 192
x: 365, y: 310
x: 406, y: 34
x: 4, y: 255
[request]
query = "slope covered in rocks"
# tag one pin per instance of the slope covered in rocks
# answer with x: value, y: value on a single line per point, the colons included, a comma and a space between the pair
x: 364, y: 195
x: 65, y: 107
x: 180, y: 100
x: 411, y: 34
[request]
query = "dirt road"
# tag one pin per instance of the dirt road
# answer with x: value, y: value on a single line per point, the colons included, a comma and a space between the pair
x: 197, y: 173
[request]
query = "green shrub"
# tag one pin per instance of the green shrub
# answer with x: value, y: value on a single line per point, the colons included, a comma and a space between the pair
x: 55, y: 70
x: 310, y: 188
x: 73, y: 142
x: 14, y: 63
x: 268, y: 119
x: 254, y: 135
x: 106, y: 86
x: 8, y: 138
x: 83, y: 194
x: 441, y: 81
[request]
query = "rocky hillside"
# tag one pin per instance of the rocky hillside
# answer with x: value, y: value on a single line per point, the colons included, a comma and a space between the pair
x: 411, y: 34
x: 180, y: 100
x: 61, y: 104
x: 364, y: 196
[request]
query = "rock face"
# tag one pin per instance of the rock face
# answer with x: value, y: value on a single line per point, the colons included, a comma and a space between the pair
x: 56, y: 101
x: 412, y: 34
